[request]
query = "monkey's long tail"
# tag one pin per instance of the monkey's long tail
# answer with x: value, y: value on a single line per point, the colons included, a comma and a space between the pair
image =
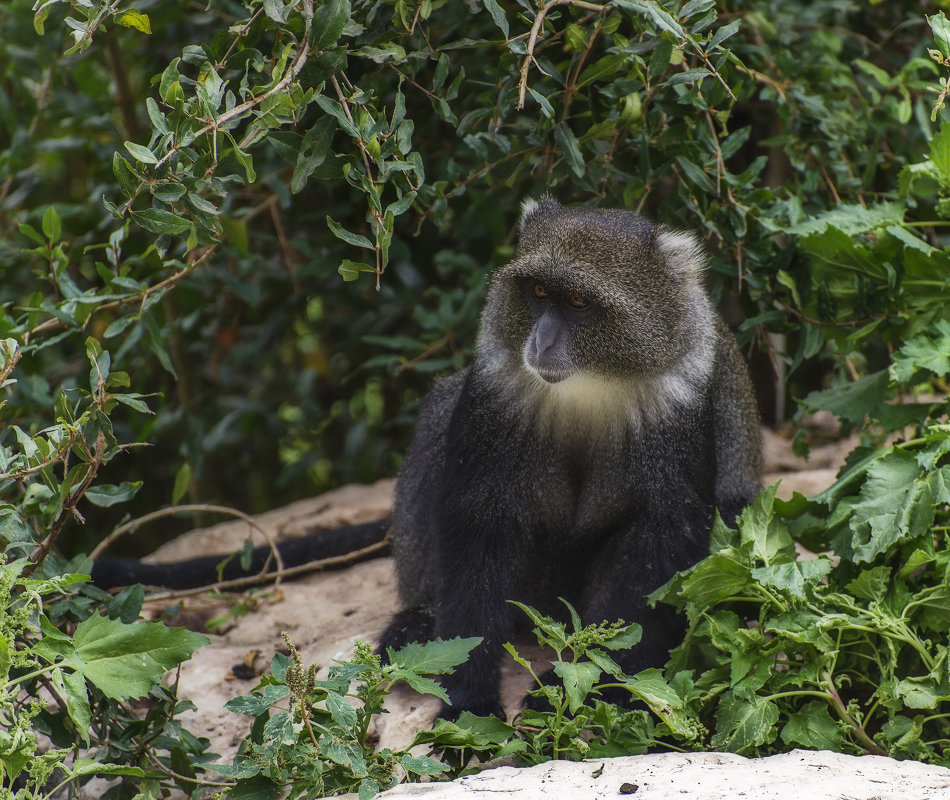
x: 203, y: 571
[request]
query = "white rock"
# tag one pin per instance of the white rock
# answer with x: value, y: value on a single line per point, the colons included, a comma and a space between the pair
x: 798, y: 775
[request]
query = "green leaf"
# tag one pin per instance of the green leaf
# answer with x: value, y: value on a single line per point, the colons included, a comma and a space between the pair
x: 497, y: 15
x: 852, y: 219
x: 894, y: 504
x: 328, y: 23
x: 767, y: 532
x: 72, y: 687
x: 134, y: 19
x: 941, y: 31
x: 108, y: 495
x: 276, y: 10
x: 689, y: 76
x: 52, y: 228
x: 433, y: 658
x: 579, y: 679
x: 355, y: 239
x: 126, y: 661
x: 871, y: 584
x: 794, y: 577
x: 182, y: 482
x: 743, y: 725
x: 812, y: 727
x: 570, y: 148
x: 256, y: 788
x: 855, y: 400
x: 101, y: 364
x: 140, y: 153
x: 158, y: 221
x: 423, y: 765
x: 697, y: 176
x: 350, y: 270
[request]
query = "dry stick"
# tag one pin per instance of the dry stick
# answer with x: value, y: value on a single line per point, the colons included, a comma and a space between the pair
x: 533, y: 38
x: 251, y: 580
x: 168, y: 512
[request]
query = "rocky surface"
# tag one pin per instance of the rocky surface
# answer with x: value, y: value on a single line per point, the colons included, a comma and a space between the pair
x: 798, y: 775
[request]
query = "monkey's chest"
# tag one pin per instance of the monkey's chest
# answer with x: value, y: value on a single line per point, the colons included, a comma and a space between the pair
x: 580, y: 499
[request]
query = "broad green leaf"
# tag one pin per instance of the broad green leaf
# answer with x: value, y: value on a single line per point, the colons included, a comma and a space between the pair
x: 894, y: 504
x: 743, y: 725
x: 434, y: 658
x: 140, y: 153
x: 760, y: 526
x: 423, y: 765
x: 813, y: 727
x: 578, y: 680
x: 126, y: 661
x: 941, y: 31
x: 795, y: 577
x: 855, y: 400
x: 256, y: 788
x: 852, y: 219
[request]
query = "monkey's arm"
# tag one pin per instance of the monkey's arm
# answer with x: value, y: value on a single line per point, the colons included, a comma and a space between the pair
x: 736, y: 430
x: 203, y: 571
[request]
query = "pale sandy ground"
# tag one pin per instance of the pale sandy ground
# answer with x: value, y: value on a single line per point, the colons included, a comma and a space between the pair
x: 324, y: 613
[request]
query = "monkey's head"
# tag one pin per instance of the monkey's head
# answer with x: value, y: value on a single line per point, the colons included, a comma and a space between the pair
x: 596, y: 299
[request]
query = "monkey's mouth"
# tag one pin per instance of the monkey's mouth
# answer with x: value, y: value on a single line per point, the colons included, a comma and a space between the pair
x: 553, y: 375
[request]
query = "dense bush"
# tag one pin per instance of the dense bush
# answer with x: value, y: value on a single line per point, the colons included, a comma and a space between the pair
x: 239, y: 240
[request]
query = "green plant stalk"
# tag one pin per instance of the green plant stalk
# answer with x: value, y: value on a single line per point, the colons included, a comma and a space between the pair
x: 838, y: 704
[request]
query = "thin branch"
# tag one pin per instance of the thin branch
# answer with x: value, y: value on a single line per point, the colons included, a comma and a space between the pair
x: 369, y: 175
x: 289, y: 77
x: 301, y: 569
x: 69, y: 508
x: 533, y: 39
x: 134, y: 524
x: 55, y: 324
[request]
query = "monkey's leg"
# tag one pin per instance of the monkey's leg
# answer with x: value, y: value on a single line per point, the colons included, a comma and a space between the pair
x: 478, y: 573
x: 409, y: 625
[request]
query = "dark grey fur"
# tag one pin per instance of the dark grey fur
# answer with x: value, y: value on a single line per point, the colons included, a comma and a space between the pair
x: 582, y: 453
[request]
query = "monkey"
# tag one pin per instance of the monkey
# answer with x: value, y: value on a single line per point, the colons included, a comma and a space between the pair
x: 606, y: 417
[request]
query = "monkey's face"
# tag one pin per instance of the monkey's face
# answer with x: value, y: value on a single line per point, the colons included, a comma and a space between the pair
x: 595, y: 294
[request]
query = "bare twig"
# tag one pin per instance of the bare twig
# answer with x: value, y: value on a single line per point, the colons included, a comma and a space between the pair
x: 134, y: 524
x: 533, y: 39
x: 301, y: 569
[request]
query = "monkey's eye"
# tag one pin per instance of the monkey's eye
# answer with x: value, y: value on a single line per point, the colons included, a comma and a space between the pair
x: 539, y: 291
x: 577, y: 301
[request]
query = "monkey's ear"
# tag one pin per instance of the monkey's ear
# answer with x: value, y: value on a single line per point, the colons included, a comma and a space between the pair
x: 682, y: 252
x: 531, y: 208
